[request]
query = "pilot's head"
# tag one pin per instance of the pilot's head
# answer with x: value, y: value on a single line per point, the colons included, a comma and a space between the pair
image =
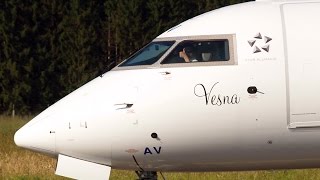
x: 189, y: 51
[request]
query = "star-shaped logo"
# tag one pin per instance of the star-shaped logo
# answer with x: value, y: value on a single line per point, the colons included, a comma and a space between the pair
x: 265, y: 44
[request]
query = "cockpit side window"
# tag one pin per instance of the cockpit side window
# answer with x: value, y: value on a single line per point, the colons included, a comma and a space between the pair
x: 149, y: 54
x: 199, y: 51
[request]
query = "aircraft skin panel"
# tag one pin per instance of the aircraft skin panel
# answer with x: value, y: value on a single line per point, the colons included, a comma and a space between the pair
x: 303, y: 64
x: 176, y: 126
x: 79, y: 169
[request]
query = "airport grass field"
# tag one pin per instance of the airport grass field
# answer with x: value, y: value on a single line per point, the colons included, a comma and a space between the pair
x: 17, y: 163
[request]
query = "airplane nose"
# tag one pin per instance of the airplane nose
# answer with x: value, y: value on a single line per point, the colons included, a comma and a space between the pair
x: 37, y: 137
x: 20, y: 138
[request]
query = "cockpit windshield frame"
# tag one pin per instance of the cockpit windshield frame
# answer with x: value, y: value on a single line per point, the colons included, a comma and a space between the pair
x: 229, y: 38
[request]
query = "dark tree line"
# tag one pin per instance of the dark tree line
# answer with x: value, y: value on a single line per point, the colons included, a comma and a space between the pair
x: 51, y: 47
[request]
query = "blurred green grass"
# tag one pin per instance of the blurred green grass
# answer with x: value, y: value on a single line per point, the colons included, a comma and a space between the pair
x: 20, y: 164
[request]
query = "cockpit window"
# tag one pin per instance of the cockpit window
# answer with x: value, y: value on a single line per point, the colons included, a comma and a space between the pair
x: 149, y: 54
x: 199, y: 51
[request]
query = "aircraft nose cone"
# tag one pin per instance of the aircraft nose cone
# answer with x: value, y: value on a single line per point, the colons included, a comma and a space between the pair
x: 20, y: 138
x: 37, y: 137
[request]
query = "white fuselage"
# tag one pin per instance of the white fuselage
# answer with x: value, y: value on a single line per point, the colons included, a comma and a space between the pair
x: 203, y: 115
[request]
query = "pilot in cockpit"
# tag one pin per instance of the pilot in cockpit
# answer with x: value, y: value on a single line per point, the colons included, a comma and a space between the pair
x: 188, y: 53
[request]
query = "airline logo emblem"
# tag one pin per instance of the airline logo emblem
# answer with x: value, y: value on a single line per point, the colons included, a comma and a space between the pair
x: 260, y: 43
